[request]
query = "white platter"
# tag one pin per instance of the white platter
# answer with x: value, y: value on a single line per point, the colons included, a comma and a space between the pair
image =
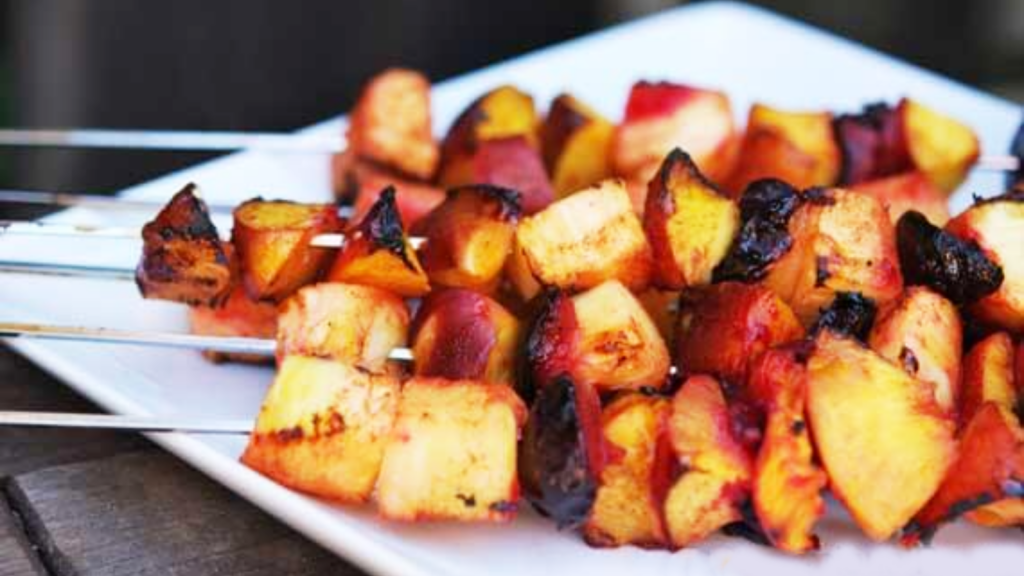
x: 749, y: 53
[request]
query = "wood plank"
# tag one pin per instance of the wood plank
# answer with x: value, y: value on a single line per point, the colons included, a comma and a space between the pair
x: 149, y: 513
x: 17, y: 558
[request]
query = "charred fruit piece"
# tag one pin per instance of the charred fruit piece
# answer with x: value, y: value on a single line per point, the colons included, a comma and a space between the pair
x: 716, y: 470
x: 183, y: 258
x: 661, y: 116
x: 689, y: 224
x: 360, y: 184
x: 797, y: 147
x: 872, y: 144
x: 988, y: 376
x: 452, y: 453
x: 358, y: 325
x: 575, y: 140
x: 905, y: 192
x: 390, y: 123
x: 922, y: 333
x: 843, y: 241
x: 581, y: 241
x: 618, y: 345
x: 462, y: 335
x: 729, y: 326
x: 763, y: 238
x: 377, y: 253
x: 939, y: 146
x: 956, y: 268
x: 511, y: 162
x: 880, y: 435
x: 631, y: 491
x: 501, y: 113
x: 550, y: 344
x: 469, y: 236
x: 323, y: 428
x: 239, y: 316
x: 997, y: 226
x: 849, y: 314
x: 561, y: 455
x: 787, y: 483
x: 272, y: 240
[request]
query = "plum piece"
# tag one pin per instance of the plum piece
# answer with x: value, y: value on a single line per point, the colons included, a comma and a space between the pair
x: 849, y: 314
x: 905, y: 192
x: 763, y: 238
x: 575, y: 140
x: 359, y: 184
x: 239, y: 316
x: 551, y: 343
x: 872, y: 144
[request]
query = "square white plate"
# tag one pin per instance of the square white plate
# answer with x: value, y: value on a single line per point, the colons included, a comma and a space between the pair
x: 749, y: 53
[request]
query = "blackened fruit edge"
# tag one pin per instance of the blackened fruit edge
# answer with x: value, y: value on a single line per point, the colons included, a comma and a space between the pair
x: 849, y: 314
x: 765, y: 209
x: 382, y: 224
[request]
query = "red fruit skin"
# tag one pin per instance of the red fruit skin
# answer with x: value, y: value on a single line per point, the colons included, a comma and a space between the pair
x: 652, y: 99
x: 513, y: 163
x: 469, y: 335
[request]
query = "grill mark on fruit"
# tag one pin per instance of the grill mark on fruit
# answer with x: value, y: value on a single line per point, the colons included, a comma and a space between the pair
x: 797, y: 427
x: 909, y: 361
x: 821, y: 273
x: 469, y: 501
x: 849, y: 314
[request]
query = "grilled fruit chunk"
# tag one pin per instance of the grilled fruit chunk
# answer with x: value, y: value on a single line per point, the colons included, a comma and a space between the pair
x: 550, y: 344
x: 390, y: 123
x: 323, y: 428
x: 905, y: 192
x: 797, y: 147
x: 849, y: 314
x: 239, y: 316
x: 728, y: 326
x: 716, y: 471
x: 921, y: 332
x: 360, y: 184
x: 689, y: 223
x: 842, y: 242
x: 377, y: 253
x: 469, y: 236
x: 787, y: 483
x: 989, y: 473
x: 631, y: 491
x: 272, y: 240
x: 512, y: 163
x: 618, y: 345
x: 997, y: 226
x: 358, y: 325
x: 562, y: 454
x: 939, y: 146
x: 662, y: 116
x: 581, y: 241
x: 462, y: 335
x: 988, y: 376
x: 880, y: 435
x: 183, y: 258
x: 575, y: 140
x: 872, y: 144
x: 452, y: 453
x: 929, y: 256
x: 765, y: 209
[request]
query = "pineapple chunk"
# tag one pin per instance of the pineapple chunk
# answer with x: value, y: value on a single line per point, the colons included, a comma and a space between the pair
x: 988, y: 376
x: 575, y: 140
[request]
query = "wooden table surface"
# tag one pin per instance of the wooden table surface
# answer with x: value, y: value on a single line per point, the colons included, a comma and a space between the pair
x: 96, y: 502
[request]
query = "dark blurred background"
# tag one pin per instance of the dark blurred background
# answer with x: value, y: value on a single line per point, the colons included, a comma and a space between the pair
x: 276, y: 65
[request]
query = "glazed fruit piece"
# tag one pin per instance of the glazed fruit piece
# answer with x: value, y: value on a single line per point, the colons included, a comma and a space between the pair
x: 575, y: 140
x: 323, y: 428
x: 512, y: 163
x: 989, y: 376
x: 463, y: 335
x: 430, y: 471
x: 390, y: 124
x: 997, y: 226
x: 849, y: 314
x: 872, y: 144
x: 183, y: 257
x: 765, y: 209
x: 580, y: 242
x: 909, y: 191
x: 689, y: 223
x: 377, y: 253
x: 922, y: 333
x: 631, y: 491
x: 880, y: 435
x: 360, y: 184
x: 551, y: 343
x: 239, y: 316
x: 357, y: 325
x: 728, y: 326
x: 939, y: 146
x: 272, y: 240
x: 469, y: 236
x: 716, y: 471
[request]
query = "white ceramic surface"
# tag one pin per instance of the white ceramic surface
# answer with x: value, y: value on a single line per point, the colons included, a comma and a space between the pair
x: 749, y: 53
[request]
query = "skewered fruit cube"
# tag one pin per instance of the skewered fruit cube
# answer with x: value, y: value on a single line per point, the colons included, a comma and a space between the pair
x: 921, y: 332
x: 872, y: 144
x: 512, y: 162
x: 632, y: 487
x: 880, y: 435
x: 908, y: 191
x: 550, y: 343
x: 183, y: 257
x: 272, y: 240
x: 988, y: 376
x: 377, y: 253
x: 239, y: 316
x: 939, y: 146
x: 689, y: 223
x: 997, y: 226
x: 461, y: 334
x: 323, y: 428
x: 360, y: 184
x: 358, y: 325
x: 575, y: 140
x: 581, y: 241
x: 716, y: 469
x: 843, y: 241
x: 469, y: 236
x: 390, y: 123
x: 452, y: 453
x: 662, y: 116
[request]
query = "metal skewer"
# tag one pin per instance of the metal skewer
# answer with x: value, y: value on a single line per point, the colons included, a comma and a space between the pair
x: 173, y: 140
x: 117, y: 422
x: 96, y: 201
x: 66, y: 270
